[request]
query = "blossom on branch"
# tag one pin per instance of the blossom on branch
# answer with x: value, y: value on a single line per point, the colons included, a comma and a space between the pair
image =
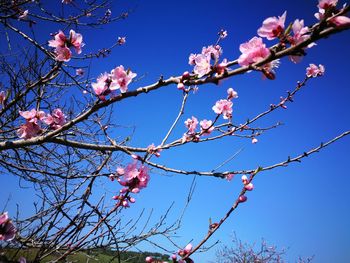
x: 62, y: 45
x: 7, y: 229
x: 121, y: 79
x: 55, y: 120
x: 272, y: 27
x: 314, y: 71
x: 223, y: 107
x: 253, y: 51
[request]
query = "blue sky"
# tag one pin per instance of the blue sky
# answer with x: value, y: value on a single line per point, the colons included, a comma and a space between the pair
x: 304, y: 207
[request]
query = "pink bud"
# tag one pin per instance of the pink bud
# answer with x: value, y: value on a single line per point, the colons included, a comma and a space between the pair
x: 249, y: 186
x: 135, y: 190
x: 244, y: 179
x: 180, y: 86
x: 111, y: 177
x: 136, y: 157
x: 340, y: 21
x: 188, y: 248
x: 115, y: 197
x: 149, y: 259
x: 173, y: 257
x: 254, y: 140
x: 229, y: 177
x: 186, y: 75
x: 123, y: 190
x: 132, y: 200
x: 125, y: 203
x: 120, y: 170
x: 242, y: 199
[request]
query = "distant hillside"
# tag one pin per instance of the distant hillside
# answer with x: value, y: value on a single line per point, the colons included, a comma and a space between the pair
x: 91, y: 256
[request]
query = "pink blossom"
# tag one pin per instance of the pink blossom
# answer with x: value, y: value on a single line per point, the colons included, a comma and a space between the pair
x: 221, y: 67
x: 245, y: 179
x: 135, y: 176
x: 325, y: 4
x: 191, y: 124
x: 188, y: 248
x: 59, y: 41
x: 149, y: 259
x: 120, y: 170
x: 229, y: 177
x: 206, y: 127
x: 101, y: 87
x: 254, y: 140
x: 33, y: 115
x: 242, y: 199
x: 340, y: 21
x: 231, y: 94
x: 76, y: 40
x: 191, y: 59
x: 315, y: 71
x: 7, y: 229
x: 2, y: 97
x: 202, y: 65
x: 180, y: 86
x: 56, y: 120
x: 79, y: 72
x: 299, y: 32
x: 28, y: 130
x: 223, y: 107
x: 222, y: 33
x: 121, y: 79
x: 249, y: 187
x: 212, y: 52
x: 63, y: 54
x: 173, y: 257
x: 154, y: 150
x: 253, y: 51
x: 125, y: 203
x: 272, y: 27
x: 121, y: 40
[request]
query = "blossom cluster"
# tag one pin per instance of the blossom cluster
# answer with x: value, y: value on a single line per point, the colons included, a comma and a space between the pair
x: 181, y: 252
x: 32, y: 127
x: 202, y: 62
x: 327, y: 8
x: 7, y: 229
x: 133, y: 178
x: 118, y: 78
x: 62, y: 45
x: 314, y: 71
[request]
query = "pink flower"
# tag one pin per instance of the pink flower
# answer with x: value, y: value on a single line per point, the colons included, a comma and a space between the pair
x: 28, y: 130
x: 76, y: 40
x: 325, y: 4
x: 206, y: 127
x: 62, y: 44
x: 249, y: 187
x: 314, y: 71
x: 121, y: 40
x: 191, y: 124
x: 154, y: 150
x: 121, y: 79
x: 180, y: 86
x: 253, y: 51
x: 221, y: 67
x: 79, y: 72
x: 59, y: 41
x: 63, y: 54
x: 254, y: 140
x: 191, y: 59
x: 120, y: 170
x: 188, y: 248
x: 299, y: 32
x: 7, y: 229
x: 242, y: 199
x: 229, y: 177
x: 149, y: 259
x: 231, y: 94
x: 245, y: 179
x: 212, y: 52
x: 222, y: 33
x: 223, y: 107
x: 2, y: 97
x: 56, y: 120
x: 33, y: 115
x: 202, y: 65
x: 272, y: 27
x: 340, y: 21
x: 135, y: 177
x: 101, y: 87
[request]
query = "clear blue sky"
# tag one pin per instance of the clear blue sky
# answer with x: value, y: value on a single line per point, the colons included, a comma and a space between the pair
x: 304, y: 207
